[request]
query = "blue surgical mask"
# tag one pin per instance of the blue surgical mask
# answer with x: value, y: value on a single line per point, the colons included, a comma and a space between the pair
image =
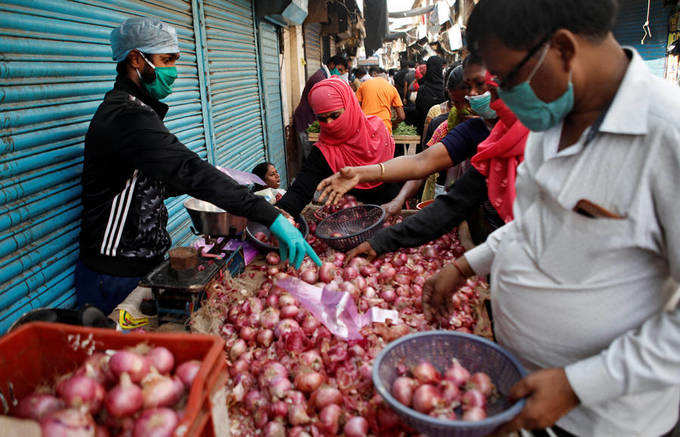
x: 480, y: 105
x: 533, y: 112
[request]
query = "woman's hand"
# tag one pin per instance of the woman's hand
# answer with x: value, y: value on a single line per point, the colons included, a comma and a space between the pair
x: 393, y: 207
x: 364, y: 248
x: 334, y: 187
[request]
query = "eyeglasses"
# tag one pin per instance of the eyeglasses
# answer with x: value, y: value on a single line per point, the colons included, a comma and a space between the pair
x: 510, y: 77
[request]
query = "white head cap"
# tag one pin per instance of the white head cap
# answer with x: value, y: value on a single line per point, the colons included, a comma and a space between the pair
x: 146, y: 34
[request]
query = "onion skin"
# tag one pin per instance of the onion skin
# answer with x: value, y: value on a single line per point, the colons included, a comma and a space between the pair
x: 161, y: 359
x: 356, y: 427
x: 124, y: 399
x: 187, y: 372
x: 131, y: 363
x: 156, y: 422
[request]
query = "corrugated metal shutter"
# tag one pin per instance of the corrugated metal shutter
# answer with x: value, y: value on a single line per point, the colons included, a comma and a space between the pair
x: 234, y: 84
x: 312, y: 35
x: 628, y: 31
x: 55, y: 66
x: 271, y: 79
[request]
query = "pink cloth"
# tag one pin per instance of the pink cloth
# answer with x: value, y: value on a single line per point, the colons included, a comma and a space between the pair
x: 353, y: 139
x: 499, y: 155
x: 439, y: 133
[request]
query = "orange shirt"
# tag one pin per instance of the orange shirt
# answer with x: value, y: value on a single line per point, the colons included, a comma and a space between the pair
x: 377, y: 97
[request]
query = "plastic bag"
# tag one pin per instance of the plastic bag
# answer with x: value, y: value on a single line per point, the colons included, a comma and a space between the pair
x: 335, y: 309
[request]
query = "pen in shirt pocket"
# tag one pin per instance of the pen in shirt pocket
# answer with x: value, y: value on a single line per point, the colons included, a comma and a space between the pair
x: 592, y: 210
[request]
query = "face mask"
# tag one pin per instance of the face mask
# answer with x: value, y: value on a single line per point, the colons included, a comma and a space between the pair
x: 533, y: 112
x: 480, y: 105
x: 335, y: 72
x: 161, y: 86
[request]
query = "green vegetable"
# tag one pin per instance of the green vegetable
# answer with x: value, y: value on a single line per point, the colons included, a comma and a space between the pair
x: 405, y: 129
x: 314, y: 127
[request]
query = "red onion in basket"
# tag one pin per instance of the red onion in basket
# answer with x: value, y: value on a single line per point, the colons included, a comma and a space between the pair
x: 124, y: 399
x: 426, y: 398
x: 131, y: 363
x: 457, y: 373
x: 402, y: 389
x: 426, y: 373
x: 237, y: 349
x: 482, y: 382
x: 70, y: 422
x: 97, y: 368
x: 187, y: 372
x: 161, y: 391
x: 156, y: 422
x: 79, y: 391
x: 161, y: 359
x: 474, y: 414
x: 36, y: 406
x: 450, y: 392
x: 473, y: 398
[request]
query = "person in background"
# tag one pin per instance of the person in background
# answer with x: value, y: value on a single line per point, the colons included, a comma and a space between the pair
x: 400, y: 81
x: 303, y: 115
x: 360, y: 76
x: 132, y: 163
x: 580, y: 279
x: 347, y: 137
x: 268, y: 173
x: 377, y: 97
x: 430, y: 90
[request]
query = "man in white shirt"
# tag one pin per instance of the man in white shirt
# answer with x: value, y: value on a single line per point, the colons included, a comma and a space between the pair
x: 579, y: 278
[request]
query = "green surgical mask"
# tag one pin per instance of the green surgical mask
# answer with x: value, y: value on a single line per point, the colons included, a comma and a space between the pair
x: 161, y: 86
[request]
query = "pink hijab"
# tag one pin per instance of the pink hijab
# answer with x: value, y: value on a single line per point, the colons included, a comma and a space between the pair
x: 353, y: 139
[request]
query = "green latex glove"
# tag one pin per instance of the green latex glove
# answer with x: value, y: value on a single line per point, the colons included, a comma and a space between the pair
x: 292, y: 244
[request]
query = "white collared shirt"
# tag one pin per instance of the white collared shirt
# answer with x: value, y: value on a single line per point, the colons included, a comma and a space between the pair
x: 587, y: 294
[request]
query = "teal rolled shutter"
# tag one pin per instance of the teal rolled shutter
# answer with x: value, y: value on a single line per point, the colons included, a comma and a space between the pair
x: 628, y: 31
x: 271, y: 89
x: 312, y: 38
x: 55, y: 67
x: 234, y: 84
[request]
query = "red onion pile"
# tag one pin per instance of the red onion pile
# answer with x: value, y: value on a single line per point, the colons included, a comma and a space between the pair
x: 128, y: 392
x: 446, y: 395
x: 289, y: 375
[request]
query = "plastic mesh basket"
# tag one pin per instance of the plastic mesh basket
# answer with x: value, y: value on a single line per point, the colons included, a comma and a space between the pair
x: 439, y: 347
x: 254, y: 227
x: 356, y: 225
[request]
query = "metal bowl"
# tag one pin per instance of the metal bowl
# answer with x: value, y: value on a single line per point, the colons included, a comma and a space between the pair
x: 208, y: 219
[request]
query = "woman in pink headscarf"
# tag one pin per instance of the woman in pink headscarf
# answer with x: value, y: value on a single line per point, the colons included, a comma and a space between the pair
x: 348, y: 138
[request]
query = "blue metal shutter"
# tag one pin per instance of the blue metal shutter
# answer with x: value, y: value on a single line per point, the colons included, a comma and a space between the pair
x: 55, y: 66
x: 234, y: 84
x: 271, y: 79
x: 628, y: 31
x: 312, y: 35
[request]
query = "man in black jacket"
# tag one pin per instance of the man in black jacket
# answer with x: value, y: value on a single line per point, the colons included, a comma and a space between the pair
x: 132, y: 163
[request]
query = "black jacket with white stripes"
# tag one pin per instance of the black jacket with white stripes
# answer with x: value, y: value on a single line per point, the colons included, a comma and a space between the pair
x: 132, y: 163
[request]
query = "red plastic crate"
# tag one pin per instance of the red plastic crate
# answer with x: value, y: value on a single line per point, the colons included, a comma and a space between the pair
x: 37, y: 352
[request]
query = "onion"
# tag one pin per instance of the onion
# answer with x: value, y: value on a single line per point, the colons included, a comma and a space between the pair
x: 450, y: 392
x: 349, y: 273
x: 271, y: 371
x: 272, y: 271
x: 311, y: 359
x: 187, y: 372
x: 279, y: 387
x: 274, y: 429
x: 387, y: 272
x: 298, y: 431
x: 482, y: 382
x: 278, y: 409
x: 388, y: 295
x: 79, y: 391
x: 37, y: 406
x: 329, y: 419
x: 273, y: 258
x: 237, y: 349
x: 387, y: 418
x: 308, y: 380
x: 265, y: 337
x: 97, y: 368
x: 289, y: 311
x: 474, y: 414
x: 131, y: 363
x: 356, y: 427
x: 368, y: 270
x: 297, y: 413
x: 101, y: 431
x: 309, y: 276
x: 401, y: 278
x: 286, y: 326
x: 241, y: 365
x: 70, y: 422
x: 426, y: 398
x: 161, y: 359
x: 255, y: 400
x: 161, y: 391
x: 327, y: 272
x: 402, y: 389
x: 269, y: 318
x: 286, y: 299
x: 156, y: 422
x: 456, y: 373
x: 325, y: 396
x: 124, y: 399
x: 473, y: 398
x: 426, y: 373
x: 429, y: 252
